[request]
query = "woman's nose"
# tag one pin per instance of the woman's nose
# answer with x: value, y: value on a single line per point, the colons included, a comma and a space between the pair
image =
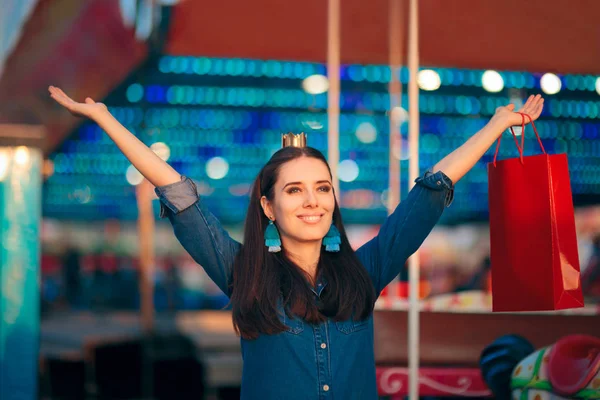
x: 310, y: 200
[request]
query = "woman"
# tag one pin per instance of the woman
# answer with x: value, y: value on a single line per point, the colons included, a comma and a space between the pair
x: 302, y: 309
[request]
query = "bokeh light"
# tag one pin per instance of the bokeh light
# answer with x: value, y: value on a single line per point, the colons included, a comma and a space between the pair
x: 366, y: 132
x: 161, y: 150
x: 348, y: 171
x: 217, y: 168
x: 399, y: 115
x: 429, y: 80
x: 492, y: 81
x: 135, y: 93
x: 550, y: 84
x: 4, y: 163
x: 133, y: 176
x: 21, y: 156
x: 315, y: 84
x: 218, y: 120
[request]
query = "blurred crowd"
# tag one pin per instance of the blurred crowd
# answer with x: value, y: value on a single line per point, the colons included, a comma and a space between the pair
x: 106, y: 278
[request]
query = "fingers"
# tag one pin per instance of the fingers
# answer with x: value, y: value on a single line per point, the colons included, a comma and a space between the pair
x: 53, y: 92
x: 60, y: 97
x: 537, y: 106
x: 539, y: 109
x: 63, y: 93
x: 58, y: 93
x: 533, y: 107
x: 530, y: 99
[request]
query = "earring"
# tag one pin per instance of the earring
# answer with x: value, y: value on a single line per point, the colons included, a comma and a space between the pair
x: 332, y: 240
x: 272, y: 239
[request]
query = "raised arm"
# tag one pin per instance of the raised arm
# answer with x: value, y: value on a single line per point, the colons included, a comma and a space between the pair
x: 196, y: 228
x: 404, y: 231
x: 199, y: 231
x: 456, y: 164
x: 151, y: 166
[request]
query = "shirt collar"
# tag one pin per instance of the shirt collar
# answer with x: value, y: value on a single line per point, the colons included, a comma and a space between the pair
x: 321, y: 283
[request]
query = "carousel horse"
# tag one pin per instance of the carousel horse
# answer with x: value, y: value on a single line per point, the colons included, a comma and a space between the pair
x: 567, y: 369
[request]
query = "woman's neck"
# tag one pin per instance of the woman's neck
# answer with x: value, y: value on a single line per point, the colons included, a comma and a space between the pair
x: 306, y: 255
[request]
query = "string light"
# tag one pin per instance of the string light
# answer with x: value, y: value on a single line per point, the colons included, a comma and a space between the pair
x: 222, y: 119
x: 550, y: 84
x: 348, y: 170
x: 429, y: 80
x: 492, y: 81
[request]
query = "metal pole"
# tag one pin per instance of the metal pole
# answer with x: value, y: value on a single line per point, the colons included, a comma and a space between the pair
x: 413, y: 142
x: 144, y: 193
x: 333, y: 95
x: 146, y: 253
x: 395, y: 93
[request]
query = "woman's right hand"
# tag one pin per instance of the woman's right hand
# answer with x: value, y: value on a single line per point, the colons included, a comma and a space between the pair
x: 89, y: 109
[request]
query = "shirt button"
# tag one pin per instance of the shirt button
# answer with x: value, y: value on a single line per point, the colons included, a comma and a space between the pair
x: 439, y: 183
x: 323, y: 345
x: 326, y: 388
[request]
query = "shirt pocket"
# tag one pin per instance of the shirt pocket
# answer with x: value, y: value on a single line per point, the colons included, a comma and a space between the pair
x: 293, y: 324
x: 351, y: 325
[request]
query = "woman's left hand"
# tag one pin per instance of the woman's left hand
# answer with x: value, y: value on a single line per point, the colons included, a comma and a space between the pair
x: 508, y: 117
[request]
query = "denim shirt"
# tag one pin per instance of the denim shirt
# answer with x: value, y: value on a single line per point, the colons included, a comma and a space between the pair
x: 331, y: 360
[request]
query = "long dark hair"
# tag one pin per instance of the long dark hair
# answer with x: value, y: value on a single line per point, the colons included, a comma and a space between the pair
x: 263, y: 281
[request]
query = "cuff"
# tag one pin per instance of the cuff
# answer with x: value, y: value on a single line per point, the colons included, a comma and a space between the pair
x: 438, y: 181
x: 177, y: 196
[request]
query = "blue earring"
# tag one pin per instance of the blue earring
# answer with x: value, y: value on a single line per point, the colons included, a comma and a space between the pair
x: 332, y: 240
x: 272, y: 239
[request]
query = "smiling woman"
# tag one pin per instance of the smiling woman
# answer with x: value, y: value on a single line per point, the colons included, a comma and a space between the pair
x: 302, y: 298
x: 302, y: 203
x: 293, y: 192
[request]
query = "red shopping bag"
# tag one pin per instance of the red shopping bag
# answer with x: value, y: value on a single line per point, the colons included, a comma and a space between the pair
x: 534, y: 255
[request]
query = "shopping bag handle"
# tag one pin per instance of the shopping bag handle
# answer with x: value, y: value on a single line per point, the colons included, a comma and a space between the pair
x: 521, y: 148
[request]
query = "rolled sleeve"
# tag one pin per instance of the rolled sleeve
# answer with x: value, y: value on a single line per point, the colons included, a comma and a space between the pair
x: 177, y: 197
x: 438, y: 181
x: 403, y: 232
x: 199, y: 231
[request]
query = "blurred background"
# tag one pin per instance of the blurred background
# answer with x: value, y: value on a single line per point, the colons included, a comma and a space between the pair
x: 210, y: 86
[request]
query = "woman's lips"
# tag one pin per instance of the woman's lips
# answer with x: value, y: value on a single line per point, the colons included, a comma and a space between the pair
x: 311, y: 219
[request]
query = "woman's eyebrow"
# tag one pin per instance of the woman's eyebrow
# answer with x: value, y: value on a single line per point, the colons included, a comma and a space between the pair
x: 300, y: 183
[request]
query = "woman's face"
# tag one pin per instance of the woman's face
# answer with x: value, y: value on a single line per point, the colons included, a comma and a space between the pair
x: 303, y: 201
